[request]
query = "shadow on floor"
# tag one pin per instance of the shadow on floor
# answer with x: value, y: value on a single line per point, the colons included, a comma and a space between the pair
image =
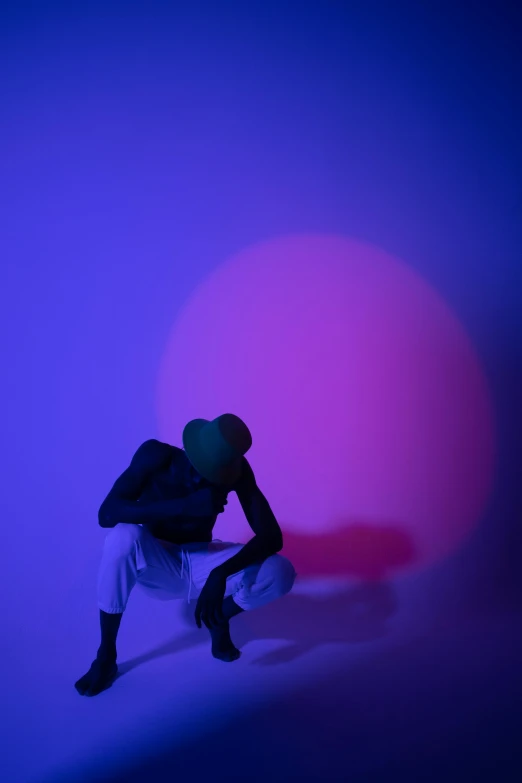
x: 442, y: 707
x: 357, y: 614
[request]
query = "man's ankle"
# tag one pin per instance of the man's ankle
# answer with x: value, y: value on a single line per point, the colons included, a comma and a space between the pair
x: 230, y: 608
x: 106, y: 653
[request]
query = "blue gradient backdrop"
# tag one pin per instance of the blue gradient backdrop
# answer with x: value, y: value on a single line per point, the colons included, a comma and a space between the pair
x: 142, y: 145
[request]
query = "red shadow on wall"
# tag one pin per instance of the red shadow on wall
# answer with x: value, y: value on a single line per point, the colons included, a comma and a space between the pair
x: 360, y: 549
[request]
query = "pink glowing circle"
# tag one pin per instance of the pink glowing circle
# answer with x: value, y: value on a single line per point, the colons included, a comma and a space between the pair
x: 371, y: 418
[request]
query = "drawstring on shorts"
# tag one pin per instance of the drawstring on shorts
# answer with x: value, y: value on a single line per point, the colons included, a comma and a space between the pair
x: 189, y: 571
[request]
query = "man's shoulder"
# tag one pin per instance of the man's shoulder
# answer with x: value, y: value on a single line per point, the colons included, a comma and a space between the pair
x: 153, y: 444
x: 154, y: 450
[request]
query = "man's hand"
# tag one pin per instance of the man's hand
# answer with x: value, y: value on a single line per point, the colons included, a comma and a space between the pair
x: 210, y: 602
x: 206, y: 502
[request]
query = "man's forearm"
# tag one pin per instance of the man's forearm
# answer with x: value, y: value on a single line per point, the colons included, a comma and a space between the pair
x: 256, y: 550
x: 113, y: 511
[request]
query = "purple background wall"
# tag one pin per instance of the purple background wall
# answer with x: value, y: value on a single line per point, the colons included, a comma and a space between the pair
x: 144, y: 145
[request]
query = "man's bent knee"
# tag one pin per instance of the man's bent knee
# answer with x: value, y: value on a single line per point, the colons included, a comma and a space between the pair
x: 284, y: 574
x: 122, y: 538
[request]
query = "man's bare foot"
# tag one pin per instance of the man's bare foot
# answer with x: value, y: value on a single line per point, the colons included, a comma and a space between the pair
x: 99, y: 677
x: 222, y: 645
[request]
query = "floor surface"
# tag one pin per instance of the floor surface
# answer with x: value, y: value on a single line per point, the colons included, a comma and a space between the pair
x: 337, y: 682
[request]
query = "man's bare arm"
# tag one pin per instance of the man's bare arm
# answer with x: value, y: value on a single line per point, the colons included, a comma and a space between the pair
x: 268, y: 537
x: 121, y: 504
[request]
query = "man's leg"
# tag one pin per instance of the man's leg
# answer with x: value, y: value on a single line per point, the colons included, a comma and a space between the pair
x: 248, y: 589
x: 103, y: 669
x: 130, y: 555
x: 222, y: 645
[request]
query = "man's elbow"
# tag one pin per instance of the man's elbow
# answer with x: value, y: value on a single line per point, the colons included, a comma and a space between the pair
x: 103, y: 517
x: 277, y: 542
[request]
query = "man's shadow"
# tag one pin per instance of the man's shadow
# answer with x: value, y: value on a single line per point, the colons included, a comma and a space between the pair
x: 354, y: 614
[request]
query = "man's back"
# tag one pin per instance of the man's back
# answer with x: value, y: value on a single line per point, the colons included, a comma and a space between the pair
x: 178, y: 479
x: 163, y: 472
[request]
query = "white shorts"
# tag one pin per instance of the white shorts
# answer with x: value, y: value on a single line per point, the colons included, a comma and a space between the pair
x: 132, y: 555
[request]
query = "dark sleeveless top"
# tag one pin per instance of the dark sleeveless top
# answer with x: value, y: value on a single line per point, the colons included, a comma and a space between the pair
x: 177, y: 480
